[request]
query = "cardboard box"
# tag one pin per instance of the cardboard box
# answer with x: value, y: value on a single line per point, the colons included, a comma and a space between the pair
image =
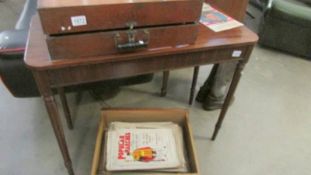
x: 178, y: 116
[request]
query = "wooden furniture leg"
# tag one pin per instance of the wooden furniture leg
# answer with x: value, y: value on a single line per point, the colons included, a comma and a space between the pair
x: 166, y: 75
x: 52, y: 110
x: 58, y: 130
x: 63, y: 100
x: 194, y: 83
x: 232, y: 88
x: 235, y: 81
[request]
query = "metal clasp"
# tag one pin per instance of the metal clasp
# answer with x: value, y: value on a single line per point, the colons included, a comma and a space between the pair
x: 132, y: 43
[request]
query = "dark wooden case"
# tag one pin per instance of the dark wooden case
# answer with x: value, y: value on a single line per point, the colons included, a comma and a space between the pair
x: 106, y: 43
x: 79, y: 28
x: 57, y: 15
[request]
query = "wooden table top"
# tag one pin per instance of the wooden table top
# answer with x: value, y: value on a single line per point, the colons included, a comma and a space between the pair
x: 37, y: 56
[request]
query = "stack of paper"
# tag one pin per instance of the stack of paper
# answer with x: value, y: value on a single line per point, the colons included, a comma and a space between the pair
x: 156, y: 146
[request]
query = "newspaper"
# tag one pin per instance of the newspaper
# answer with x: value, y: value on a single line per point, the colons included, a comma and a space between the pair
x: 217, y: 21
x: 144, y: 146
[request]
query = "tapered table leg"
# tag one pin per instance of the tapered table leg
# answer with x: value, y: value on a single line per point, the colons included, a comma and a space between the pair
x: 50, y: 103
x: 166, y: 75
x: 232, y: 88
x: 63, y: 99
x: 58, y: 130
x: 194, y: 83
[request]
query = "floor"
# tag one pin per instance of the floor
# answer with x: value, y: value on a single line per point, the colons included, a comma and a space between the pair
x: 267, y: 129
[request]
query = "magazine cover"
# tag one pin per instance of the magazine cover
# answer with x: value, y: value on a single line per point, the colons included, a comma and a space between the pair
x: 141, y: 149
x: 216, y: 20
x: 178, y: 134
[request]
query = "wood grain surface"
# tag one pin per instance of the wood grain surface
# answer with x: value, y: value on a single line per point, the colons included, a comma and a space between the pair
x: 104, y: 43
x: 101, y: 15
x: 233, y: 8
x: 37, y: 55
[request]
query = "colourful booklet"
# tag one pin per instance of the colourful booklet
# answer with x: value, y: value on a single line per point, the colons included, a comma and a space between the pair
x: 217, y: 21
x: 141, y: 148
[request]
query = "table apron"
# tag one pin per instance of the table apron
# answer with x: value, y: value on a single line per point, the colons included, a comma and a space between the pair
x: 119, y: 69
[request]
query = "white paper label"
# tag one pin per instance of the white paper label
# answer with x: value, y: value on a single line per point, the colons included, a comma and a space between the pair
x: 236, y: 53
x: 78, y: 20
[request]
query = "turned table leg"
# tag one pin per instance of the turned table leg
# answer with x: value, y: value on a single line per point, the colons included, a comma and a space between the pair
x: 194, y: 83
x: 58, y: 130
x: 166, y: 75
x: 50, y: 103
x: 235, y: 81
x: 232, y: 88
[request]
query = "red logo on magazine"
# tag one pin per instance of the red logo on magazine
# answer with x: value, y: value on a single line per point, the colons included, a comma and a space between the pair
x: 124, y: 145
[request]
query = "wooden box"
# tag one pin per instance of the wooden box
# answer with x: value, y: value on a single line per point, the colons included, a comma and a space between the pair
x: 178, y: 116
x: 111, y: 42
x: 79, y: 28
x: 71, y: 16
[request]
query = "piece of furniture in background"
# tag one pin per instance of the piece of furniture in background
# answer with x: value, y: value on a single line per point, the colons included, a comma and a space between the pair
x: 286, y: 26
x: 14, y: 74
x: 259, y: 4
x: 19, y: 80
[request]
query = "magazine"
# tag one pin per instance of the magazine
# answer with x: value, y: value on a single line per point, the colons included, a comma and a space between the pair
x: 178, y: 134
x: 141, y: 147
x: 217, y: 21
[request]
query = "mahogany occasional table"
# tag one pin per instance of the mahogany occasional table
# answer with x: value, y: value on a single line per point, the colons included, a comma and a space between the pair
x: 209, y: 48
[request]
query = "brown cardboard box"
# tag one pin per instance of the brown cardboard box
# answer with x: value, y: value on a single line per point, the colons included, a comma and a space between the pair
x: 178, y: 116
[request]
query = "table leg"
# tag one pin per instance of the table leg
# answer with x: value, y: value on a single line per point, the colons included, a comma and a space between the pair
x: 63, y: 99
x: 58, y: 130
x: 232, y: 88
x: 166, y: 75
x: 50, y: 103
x: 194, y: 83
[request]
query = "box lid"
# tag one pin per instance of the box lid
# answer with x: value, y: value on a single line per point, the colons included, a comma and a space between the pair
x: 71, y: 16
